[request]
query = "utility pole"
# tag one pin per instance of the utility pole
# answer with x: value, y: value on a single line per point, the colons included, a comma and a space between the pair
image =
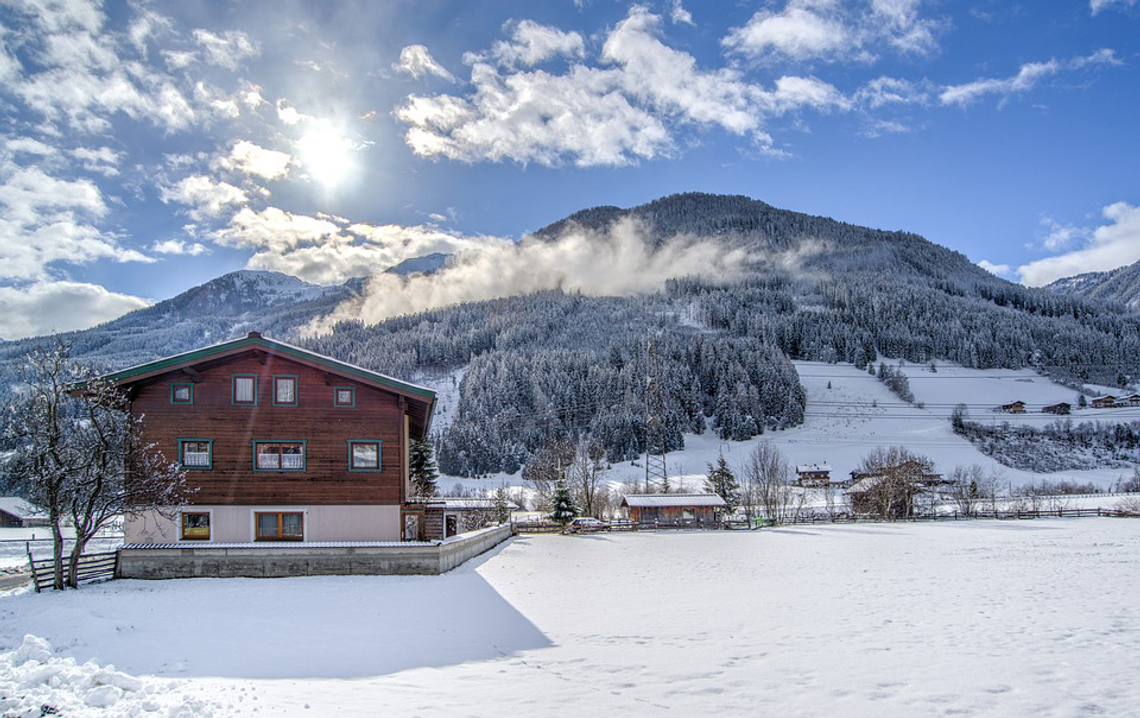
x: 654, y: 423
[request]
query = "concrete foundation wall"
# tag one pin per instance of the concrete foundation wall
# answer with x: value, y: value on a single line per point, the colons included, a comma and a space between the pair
x: 234, y: 524
x: 196, y: 561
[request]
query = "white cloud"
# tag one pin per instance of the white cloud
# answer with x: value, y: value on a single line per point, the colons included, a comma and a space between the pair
x: 253, y: 159
x: 179, y: 247
x: 206, y: 197
x: 1095, y: 6
x: 415, y: 60
x: 1000, y: 270
x: 679, y: 15
x: 102, y: 160
x: 826, y: 30
x: 1059, y: 236
x: 1027, y: 77
x: 45, y: 307
x: 275, y: 229
x: 532, y: 43
x: 883, y: 91
x: 228, y: 50
x: 1109, y: 246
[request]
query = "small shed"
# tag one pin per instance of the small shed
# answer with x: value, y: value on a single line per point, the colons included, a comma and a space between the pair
x: 1015, y: 407
x: 18, y: 513
x: 462, y: 514
x: 1104, y: 402
x: 684, y: 509
x: 1061, y: 409
x: 814, y: 474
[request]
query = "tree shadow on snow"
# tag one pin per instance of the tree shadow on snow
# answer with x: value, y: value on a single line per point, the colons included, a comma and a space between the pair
x: 305, y: 627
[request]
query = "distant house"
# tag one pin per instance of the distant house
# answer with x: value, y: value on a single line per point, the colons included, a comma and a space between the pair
x: 814, y: 474
x: 1060, y: 409
x: 695, y: 509
x: 1016, y: 407
x: 16, y: 513
x: 1133, y: 400
x: 1104, y: 402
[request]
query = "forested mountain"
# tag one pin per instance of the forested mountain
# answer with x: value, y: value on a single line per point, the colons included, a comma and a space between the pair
x: 543, y: 366
x: 1118, y: 285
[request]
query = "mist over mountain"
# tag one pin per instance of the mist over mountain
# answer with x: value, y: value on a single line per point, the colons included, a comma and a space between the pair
x: 726, y: 291
x: 1118, y: 285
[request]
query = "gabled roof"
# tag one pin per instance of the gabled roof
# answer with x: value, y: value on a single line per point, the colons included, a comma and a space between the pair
x: 20, y: 508
x: 671, y: 500
x: 422, y: 397
x: 805, y: 468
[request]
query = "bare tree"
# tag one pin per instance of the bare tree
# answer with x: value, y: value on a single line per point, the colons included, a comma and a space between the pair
x: 895, y: 474
x: 766, y: 479
x: 82, y: 456
x: 586, y: 475
x: 967, y: 489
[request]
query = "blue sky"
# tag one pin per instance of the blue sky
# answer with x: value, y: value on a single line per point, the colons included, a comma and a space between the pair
x: 148, y: 147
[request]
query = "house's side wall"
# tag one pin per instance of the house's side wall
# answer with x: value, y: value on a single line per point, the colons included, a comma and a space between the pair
x: 234, y: 524
x: 8, y: 521
x: 315, y: 420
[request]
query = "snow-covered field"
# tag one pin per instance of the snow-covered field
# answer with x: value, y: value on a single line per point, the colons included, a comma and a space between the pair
x: 1033, y: 618
x: 857, y: 413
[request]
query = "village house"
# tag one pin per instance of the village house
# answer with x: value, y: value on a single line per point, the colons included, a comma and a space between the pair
x: 279, y: 444
x: 1060, y: 409
x: 1133, y: 400
x: 679, y: 509
x: 1104, y: 402
x: 16, y: 513
x: 814, y: 475
x: 1016, y: 407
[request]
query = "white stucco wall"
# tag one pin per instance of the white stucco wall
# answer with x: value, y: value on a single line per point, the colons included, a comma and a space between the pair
x: 234, y: 524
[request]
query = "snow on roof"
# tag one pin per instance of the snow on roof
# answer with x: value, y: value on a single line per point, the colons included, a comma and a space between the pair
x: 462, y: 503
x: 649, y: 500
x: 20, y: 508
x: 805, y: 468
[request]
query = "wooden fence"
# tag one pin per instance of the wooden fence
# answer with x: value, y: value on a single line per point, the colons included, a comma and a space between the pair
x: 92, y: 567
x: 958, y: 516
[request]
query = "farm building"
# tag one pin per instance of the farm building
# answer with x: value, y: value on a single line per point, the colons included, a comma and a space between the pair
x: 18, y: 513
x: 1016, y: 407
x: 697, y: 509
x: 280, y: 445
x: 1060, y: 409
x: 814, y: 474
x: 1104, y: 402
x: 1133, y: 400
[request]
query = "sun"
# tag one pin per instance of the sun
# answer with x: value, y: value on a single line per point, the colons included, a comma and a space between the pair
x: 326, y: 155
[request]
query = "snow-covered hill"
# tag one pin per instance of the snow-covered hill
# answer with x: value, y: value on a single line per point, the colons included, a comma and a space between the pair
x: 1118, y: 285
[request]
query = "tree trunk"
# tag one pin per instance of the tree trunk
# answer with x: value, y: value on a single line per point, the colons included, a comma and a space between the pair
x: 57, y: 554
x: 73, y: 560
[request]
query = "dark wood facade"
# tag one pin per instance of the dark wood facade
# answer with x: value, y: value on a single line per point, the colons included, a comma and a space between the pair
x: 313, y: 418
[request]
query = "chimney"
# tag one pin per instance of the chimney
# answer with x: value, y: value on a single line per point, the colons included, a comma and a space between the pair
x: 254, y: 335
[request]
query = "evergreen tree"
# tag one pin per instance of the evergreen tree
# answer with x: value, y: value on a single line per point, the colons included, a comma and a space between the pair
x: 564, y: 510
x: 722, y: 482
x: 502, y: 507
x: 421, y: 466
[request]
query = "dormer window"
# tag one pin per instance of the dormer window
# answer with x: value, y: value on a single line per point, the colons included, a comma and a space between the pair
x: 244, y: 390
x: 285, y: 390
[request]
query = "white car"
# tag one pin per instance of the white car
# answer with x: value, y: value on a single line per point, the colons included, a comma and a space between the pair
x: 586, y: 524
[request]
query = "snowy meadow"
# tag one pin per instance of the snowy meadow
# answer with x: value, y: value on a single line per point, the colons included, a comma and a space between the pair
x: 973, y: 618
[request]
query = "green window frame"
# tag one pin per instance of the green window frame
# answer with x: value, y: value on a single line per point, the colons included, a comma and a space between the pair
x: 358, y: 452
x: 175, y: 388
x: 234, y: 381
x: 291, y: 455
x: 290, y: 379
x: 351, y: 397
x: 196, y: 463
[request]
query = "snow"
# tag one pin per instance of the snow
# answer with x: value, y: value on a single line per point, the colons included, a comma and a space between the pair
x: 13, y: 554
x: 974, y: 618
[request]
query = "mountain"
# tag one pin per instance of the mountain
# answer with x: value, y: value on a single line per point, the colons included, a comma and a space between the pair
x: 1118, y: 285
x: 427, y: 264
x: 542, y: 367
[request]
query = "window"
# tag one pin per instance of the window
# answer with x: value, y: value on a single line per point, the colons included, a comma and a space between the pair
x: 196, y: 453
x: 285, y: 391
x: 344, y: 396
x: 279, y: 455
x: 279, y: 526
x: 363, y: 455
x: 196, y: 526
x: 181, y: 393
x: 688, y: 514
x: 244, y: 390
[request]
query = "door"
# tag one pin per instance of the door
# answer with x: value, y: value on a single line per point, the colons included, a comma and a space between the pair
x: 411, y: 527
x: 450, y: 525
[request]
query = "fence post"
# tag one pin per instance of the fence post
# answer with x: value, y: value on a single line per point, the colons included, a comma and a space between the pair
x: 32, y: 565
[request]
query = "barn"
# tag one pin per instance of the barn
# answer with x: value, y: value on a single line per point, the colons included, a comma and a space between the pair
x: 698, y: 510
x: 18, y: 513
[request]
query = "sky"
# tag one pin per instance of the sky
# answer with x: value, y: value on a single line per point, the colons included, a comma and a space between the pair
x: 146, y: 147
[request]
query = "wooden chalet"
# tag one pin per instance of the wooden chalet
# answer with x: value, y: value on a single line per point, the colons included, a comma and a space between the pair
x: 814, y: 475
x: 1061, y: 409
x: 1016, y: 407
x: 1107, y: 401
x: 1133, y: 400
x: 16, y: 513
x: 280, y: 444
x: 702, y: 509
